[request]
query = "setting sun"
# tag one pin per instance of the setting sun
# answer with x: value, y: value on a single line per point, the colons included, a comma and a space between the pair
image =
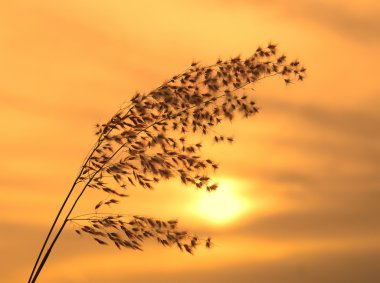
x: 223, y: 205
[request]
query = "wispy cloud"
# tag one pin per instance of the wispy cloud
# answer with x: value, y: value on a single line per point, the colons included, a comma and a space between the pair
x: 341, y: 17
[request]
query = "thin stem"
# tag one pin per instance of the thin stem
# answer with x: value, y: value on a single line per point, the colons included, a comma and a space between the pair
x: 60, y: 231
x: 96, y: 215
x: 50, y: 231
x: 48, y: 253
x: 59, y: 213
x: 82, y: 219
x: 96, y: 146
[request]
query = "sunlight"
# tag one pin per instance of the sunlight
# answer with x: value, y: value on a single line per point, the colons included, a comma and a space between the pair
x: 223, y: 205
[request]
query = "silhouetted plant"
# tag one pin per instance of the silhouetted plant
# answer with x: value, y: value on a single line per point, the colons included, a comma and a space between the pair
x: 147, y: 141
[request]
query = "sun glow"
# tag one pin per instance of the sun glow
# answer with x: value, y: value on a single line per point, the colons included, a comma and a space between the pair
x: 223, y: 205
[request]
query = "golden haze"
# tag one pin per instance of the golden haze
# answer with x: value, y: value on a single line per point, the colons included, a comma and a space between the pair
x: 300, y: 202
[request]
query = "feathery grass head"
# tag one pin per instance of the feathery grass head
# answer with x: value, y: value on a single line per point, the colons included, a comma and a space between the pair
x: 146, y: 141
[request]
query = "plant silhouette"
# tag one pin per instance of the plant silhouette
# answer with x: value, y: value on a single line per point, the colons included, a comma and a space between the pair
x: 148, y: 141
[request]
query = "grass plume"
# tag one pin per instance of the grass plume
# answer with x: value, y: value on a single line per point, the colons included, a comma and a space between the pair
x: 147, y: 141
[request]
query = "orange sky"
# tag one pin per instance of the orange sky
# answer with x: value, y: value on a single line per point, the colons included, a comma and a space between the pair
x: 301, y: 182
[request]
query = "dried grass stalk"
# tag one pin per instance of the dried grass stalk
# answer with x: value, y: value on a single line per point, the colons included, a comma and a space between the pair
x: 147, y: 141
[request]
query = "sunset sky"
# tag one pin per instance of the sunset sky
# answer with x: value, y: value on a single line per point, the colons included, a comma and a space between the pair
x: 299, y: 188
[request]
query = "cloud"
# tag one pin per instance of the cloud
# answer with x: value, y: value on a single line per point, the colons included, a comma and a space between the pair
x: 357, y: 26
x: 327, y: 267
x: 336, y: 16
x: 358, y: 122
x: 317, y: 224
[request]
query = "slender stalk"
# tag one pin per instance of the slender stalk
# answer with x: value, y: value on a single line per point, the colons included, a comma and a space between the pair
x: 62, y: 207
x: 47, y: 254
x: 64, y: 223
x: 54, y: 223
x: 51, y: 230
x: 35, y: 276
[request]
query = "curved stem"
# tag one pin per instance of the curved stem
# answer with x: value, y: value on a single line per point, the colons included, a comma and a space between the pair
x: 60, y: 230
x: 50, y: 231
x: 47, y: 253
x: 98, y: 142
